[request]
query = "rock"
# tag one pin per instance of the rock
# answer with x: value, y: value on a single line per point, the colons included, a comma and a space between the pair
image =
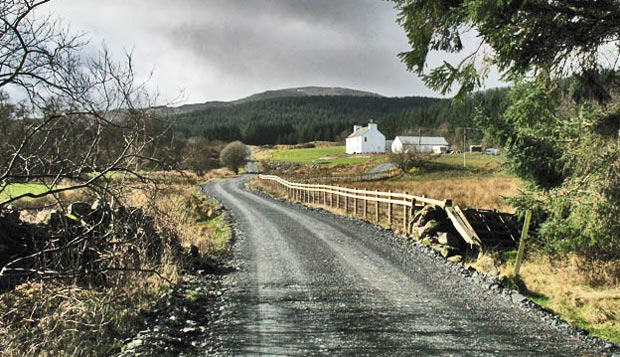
x: 134, y: 344
x: 455, y: 258
x: 447, y: 251
x: 517, y: 298
x: 190, y: 330
x: 451, y: 239
x: 428, y: 241
x: 429, y: 229
x: 44, y: 216
x: 429, y: 213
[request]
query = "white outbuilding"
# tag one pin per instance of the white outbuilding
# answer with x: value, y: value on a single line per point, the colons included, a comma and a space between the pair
x: 365, y: 140
x: 435, y: 144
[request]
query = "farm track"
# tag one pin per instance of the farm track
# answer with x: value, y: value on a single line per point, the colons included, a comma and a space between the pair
x: 311, y: 283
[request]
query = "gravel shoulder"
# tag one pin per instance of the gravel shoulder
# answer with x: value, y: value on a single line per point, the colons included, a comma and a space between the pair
x: 311, y: 283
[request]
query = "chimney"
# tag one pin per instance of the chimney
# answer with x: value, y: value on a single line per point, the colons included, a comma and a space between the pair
x: 356, y: 128
x: 372, y: 126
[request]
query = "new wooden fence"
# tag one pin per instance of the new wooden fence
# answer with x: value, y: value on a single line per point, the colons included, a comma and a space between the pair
x: 389, y: 207
x: 348, y: 178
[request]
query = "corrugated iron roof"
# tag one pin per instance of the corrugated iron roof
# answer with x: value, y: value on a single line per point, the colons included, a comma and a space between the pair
x: 422, y: 140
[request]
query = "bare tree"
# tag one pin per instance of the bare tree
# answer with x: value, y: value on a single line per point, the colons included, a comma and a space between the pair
x: 83, y: 124
x: 81, y: 119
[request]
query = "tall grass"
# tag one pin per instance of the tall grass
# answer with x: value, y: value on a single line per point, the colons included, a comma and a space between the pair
x: 583, y: 292
x: 483, y: 192
x: 52, y: 318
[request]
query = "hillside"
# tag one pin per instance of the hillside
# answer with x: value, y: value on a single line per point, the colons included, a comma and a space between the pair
x: 298, y: 115
x: 278, y: 93
x: 290, y: 116
x: 307, y: 92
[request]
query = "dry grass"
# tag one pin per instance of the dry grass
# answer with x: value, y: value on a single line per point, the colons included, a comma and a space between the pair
x: 576, y: 291
x: 484, y: 192
x: 50, y: 318
x: 583, y: 292
x: 196, y: 220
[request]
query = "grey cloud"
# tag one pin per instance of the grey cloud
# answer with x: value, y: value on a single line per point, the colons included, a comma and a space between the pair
x: 226, y: 49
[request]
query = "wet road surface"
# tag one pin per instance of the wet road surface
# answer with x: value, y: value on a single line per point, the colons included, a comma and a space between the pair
x: 311, y: 283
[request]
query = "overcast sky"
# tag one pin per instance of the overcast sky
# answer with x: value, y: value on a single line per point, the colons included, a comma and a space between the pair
x: 228, y: 49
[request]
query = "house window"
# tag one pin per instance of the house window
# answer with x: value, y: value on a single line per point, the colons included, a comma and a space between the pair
x: 365, y: 139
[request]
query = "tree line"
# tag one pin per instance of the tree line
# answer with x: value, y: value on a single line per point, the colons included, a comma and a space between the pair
x: 295, y: 120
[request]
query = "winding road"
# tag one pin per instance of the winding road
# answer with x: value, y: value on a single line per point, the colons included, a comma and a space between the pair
x: 311, y: 283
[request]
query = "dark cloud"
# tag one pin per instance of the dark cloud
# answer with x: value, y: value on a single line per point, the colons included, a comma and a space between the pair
x: 226, y: 49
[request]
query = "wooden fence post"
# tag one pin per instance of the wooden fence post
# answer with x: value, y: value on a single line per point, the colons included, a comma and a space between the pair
x: 390, y: 210
x: 405, y: 220
x: 355, y: 204
x: 346, y: 205
x: 377, y: 207
x: 411, y: 214
x: 524, y: 231
x: 365, y: 204
x: 338, y: 197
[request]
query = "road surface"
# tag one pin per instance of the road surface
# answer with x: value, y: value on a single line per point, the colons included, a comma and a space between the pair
x: 311, y: 283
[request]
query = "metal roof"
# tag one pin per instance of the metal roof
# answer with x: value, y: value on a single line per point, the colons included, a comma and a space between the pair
x: 422, y: 140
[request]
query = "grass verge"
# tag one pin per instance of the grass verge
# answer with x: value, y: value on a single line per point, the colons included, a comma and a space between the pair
x: 54, y: 318
x: 584, y: 293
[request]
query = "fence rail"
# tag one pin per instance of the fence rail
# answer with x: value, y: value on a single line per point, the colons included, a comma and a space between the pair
x: 350, y: 178
x: 357, y: 201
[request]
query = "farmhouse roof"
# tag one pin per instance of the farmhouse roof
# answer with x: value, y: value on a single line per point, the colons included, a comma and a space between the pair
x: 359, y: 132
x: 422, y: 140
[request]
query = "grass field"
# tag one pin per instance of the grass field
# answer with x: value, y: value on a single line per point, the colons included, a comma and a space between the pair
x: 16, y: 189
x: 329, y: 155
x: 453, y: 166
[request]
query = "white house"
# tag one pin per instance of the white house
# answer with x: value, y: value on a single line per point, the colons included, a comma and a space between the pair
x: 435, y: 144
x: 365, y: 140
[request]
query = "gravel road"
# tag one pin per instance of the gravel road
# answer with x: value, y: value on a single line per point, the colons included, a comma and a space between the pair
x: 311, y: 283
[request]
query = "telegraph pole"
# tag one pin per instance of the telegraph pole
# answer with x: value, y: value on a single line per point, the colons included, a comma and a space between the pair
x: 464, y: 143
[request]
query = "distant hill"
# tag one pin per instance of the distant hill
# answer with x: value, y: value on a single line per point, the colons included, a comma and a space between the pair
x: 290, y: 116
x: 279, y: 93
x: 297, y: 115
x: 307, y: 92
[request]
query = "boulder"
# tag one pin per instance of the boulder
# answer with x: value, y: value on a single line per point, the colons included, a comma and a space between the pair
x: 451, y: 239
x: 430, y: 229
x: 428, y: 241
x: 44, y: 216
x: 429, y: 213
x: 455, y: 259
x: 447, y: 251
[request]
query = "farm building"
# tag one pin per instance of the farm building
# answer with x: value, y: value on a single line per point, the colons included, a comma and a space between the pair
x: 365, y: 140
x: 435, y: 144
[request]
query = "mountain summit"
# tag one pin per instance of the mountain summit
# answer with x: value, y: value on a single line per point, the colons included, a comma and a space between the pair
x: 307, y: 92
x: 280, y: 93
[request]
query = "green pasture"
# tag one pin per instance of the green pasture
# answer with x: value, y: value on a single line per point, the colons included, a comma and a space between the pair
x: 329, y: 155
x: 16, y: 189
